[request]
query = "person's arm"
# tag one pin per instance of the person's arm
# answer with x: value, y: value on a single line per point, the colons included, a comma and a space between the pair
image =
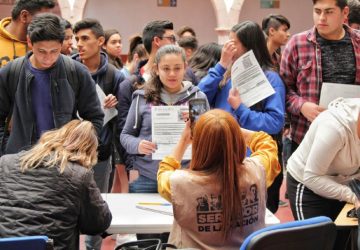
x: 327, y: 142
x: 209, y: 84
x: 95, y: 216
x: 264, y: 148
x: 271, y: 119
x: 5, y: 106
x: 289, y: 70
x: 124, y: 95
x: 129, y: 135
x: 88, y: 103
x: 170, y: 163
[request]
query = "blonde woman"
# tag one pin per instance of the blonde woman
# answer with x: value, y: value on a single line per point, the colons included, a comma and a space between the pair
x: 50, y: 189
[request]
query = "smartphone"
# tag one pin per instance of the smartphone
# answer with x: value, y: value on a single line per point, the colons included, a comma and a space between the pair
x: 197, y: 107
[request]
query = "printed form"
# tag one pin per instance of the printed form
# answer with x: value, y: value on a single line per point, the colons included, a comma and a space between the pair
x: 167, y: 127
x: 249, y: 79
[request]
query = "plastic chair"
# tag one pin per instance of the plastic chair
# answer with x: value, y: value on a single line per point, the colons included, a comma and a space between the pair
x: 27, y: 242
x: 317, y: 233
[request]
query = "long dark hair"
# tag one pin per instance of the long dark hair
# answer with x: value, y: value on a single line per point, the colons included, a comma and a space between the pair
x: 153, y: 86
x: 252, y: 38
x: 204, y: 58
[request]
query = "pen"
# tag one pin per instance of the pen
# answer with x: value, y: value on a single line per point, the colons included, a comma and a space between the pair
x: 155, y: 203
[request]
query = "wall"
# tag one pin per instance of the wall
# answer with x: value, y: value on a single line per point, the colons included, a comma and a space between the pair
x: 298, y: 12
x: 130, y: 16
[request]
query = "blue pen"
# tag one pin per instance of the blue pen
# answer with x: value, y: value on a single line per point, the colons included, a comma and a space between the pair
x: 155, y: 203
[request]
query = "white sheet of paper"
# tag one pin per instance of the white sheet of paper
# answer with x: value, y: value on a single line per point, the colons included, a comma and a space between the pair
x: 331, y: 91
x: 249, y: 79
x: 109, y: 113
x: 167, y: 126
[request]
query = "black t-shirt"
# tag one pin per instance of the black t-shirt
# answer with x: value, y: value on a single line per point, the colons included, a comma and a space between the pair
x: 338, y: 60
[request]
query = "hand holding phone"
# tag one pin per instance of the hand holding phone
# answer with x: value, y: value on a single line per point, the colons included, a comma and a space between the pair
x: 197, y: 107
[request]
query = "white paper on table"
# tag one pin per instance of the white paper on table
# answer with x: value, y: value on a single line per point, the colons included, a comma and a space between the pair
x: 108, y: 113
x: 331, y: 91
x: 249, y: 79
x: 167, y: 126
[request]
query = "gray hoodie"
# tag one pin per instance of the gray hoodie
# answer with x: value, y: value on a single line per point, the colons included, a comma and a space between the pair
x: 138, y: 124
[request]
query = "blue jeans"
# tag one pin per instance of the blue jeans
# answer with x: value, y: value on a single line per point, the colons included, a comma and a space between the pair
x: 102, y: 172
x: 143, y: 185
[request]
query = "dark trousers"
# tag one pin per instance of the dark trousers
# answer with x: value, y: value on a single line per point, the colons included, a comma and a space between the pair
x: 306, y: 204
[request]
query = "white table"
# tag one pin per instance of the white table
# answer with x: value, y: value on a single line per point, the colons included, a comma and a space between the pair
x: 129, y: 219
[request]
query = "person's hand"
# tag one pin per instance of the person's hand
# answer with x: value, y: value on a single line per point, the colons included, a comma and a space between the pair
x: 186, y: 137
x: 227, y: 54
x: 357, y: 204
x: 311, y: 110
x: 286, y: 131
x: 146, y: 147
x: 110, y: 101
x: 234, y: 98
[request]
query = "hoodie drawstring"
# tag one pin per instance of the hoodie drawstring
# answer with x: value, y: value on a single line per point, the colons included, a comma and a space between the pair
x: 136, y: 111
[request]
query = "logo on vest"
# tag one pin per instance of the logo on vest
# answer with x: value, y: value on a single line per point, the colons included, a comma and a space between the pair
x: 209, y: 210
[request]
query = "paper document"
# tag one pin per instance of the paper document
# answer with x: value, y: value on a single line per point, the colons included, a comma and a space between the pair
x: 331, y: 91
x: 165, y: 208
x: 109, y: 113
x: 249, y: 79
x: 167, y: 126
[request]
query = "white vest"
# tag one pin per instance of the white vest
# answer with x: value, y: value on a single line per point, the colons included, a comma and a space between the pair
x: 197, y: 208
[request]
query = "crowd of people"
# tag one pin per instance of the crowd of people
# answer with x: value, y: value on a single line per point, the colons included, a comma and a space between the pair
x: 76, y: 121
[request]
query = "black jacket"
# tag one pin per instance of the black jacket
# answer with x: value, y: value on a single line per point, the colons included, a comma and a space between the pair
x: 42, y: 201
x: 64, y: 102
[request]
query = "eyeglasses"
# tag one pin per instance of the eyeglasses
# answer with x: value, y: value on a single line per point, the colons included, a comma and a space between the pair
x: 171, y: 38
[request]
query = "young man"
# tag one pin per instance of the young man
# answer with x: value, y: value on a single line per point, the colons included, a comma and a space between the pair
x: 13, y: 29
x: 67, y: 48
x: 90, y: 37
x: 329, y: 52
x: 40, y: 97
x: 189, y: 44
x: 276, y: 28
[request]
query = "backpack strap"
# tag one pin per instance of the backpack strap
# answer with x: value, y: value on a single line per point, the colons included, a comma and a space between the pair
x: 13, y: 80
x: 108, y: 79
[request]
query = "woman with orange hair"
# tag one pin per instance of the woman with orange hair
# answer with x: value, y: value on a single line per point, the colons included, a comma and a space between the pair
x: 220, y: 199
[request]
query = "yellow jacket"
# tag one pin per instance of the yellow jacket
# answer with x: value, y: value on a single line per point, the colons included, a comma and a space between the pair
x: 10, y: 46
x: 264, y: 149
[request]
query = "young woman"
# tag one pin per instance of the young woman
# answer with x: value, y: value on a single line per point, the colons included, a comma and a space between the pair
x: 225, y: 192
x: 268, y: 114
x: 204, y: 58
x: 113, y: 47
x: 50, y: 189
x: 326, y: 159
x: 137, y: 53
x: 166, y: 87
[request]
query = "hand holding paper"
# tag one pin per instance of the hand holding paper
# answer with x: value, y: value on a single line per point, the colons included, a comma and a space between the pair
x: 311, y: 110
x: 234, y: 98
x: 146, y: 147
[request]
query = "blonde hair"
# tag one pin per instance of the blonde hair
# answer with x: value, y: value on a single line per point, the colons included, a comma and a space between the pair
x: 76, y: 142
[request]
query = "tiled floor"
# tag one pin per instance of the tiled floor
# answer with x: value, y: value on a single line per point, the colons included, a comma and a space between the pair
x: 284, y: 214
